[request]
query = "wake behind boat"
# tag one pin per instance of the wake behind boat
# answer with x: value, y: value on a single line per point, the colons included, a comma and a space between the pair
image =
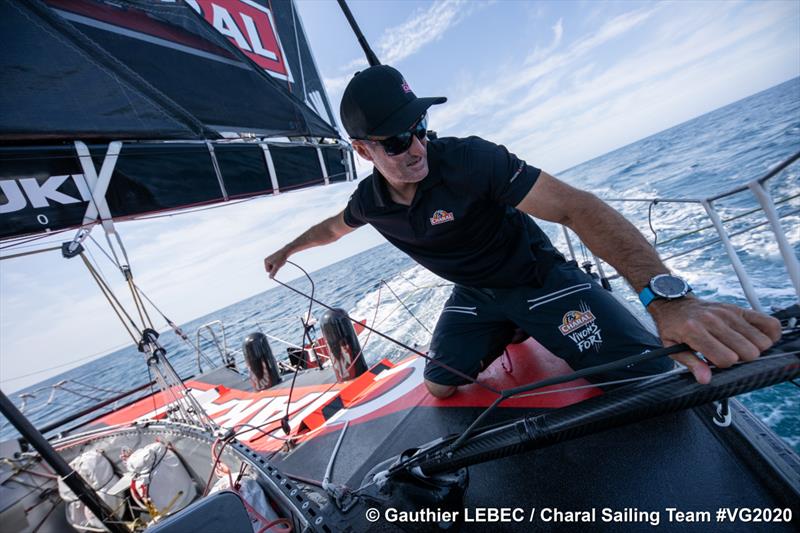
x: 319, y: 440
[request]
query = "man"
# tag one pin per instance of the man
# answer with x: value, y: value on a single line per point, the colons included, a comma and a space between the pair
x: 460, y: 208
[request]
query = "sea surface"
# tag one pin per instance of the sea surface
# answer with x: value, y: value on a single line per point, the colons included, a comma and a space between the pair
x: 703, y: 157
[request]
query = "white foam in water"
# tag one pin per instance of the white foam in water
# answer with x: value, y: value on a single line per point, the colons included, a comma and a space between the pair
x: 422, y: 292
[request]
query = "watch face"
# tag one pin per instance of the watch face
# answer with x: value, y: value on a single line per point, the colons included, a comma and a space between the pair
x: 668, y: 286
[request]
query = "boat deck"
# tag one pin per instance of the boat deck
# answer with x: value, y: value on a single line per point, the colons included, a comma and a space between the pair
x: 679, y: 461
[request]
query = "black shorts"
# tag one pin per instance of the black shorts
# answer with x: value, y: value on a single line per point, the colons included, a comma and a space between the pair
x: 571, y: 315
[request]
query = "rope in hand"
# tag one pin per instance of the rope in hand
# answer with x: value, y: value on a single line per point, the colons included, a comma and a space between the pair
x: 285, y: 420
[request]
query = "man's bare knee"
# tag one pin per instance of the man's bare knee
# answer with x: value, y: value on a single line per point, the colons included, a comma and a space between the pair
x: 440, y: 391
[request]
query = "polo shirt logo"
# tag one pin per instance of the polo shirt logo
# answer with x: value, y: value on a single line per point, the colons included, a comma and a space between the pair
x: 440, y: 216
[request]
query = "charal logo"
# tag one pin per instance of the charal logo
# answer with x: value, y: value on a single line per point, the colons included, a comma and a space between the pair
x: 580, y: 326
x: 250, y: 26
x: 406, y: 87
x: 574, y: 320
x: 440, y: 216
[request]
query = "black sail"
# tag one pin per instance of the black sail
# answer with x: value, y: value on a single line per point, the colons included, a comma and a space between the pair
x: 212, y: 101
x: 271, y: 34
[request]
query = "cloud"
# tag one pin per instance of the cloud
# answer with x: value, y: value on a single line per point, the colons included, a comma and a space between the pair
x: 487, y: 97
x: 424, y: 26
x: 189, y: 265
x: 659, y: 75
x: 649, y: 63
x: 558, y: 33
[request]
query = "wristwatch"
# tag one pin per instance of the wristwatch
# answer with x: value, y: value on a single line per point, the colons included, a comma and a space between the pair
x: 665, y: 287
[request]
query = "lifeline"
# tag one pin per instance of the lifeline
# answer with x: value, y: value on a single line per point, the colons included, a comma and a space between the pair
x: 629, y: 514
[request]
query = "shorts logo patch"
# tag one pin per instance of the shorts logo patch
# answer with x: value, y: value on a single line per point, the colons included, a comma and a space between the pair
x: 575, y: 320
x: 440, y: 216
x: 580, y: 326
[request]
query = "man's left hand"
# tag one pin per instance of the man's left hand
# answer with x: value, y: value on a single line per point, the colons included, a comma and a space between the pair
x: 725, y: 334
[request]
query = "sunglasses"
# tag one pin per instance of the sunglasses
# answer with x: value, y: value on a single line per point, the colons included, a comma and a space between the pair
x: 400, y: 143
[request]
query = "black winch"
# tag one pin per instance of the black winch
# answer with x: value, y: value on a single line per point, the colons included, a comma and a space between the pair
x: 261, y: 361
x: 346, y: 356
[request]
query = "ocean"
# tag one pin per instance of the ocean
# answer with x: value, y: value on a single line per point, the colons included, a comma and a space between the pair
x: 702, y: 157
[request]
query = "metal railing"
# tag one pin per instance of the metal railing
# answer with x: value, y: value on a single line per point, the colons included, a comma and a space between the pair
x: 766, y: 205
x: 226, y: 358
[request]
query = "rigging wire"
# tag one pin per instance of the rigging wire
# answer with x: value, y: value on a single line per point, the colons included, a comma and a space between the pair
x: 383, y: 281
x: 374, y: 319
x: 97, y: 354
x: 96, y: 263
x: 168, y: 379
x: 144, y: 317
x: 113, y: 301
x: 32, y: 252
x: 395, y: 341
x: 100, y: 389
x: 24, y: 239
x: 285, y: 421
x: 175, y: 328
x: 137, y: 300
x: 45, y: 518
x: 269, y: 434
x: 320, y: 395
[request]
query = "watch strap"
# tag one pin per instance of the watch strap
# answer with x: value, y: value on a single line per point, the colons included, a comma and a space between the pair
x: 646, y: 296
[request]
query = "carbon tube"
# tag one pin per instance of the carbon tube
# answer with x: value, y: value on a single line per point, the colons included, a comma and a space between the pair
x: 626, y: 405
x: 72, y: 479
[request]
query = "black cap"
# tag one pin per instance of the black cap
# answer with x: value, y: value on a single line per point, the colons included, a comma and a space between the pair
x: 378, y: 102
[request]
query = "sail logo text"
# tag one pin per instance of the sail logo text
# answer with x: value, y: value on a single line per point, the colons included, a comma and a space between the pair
x: 250, y: 27
x: 40, y: 194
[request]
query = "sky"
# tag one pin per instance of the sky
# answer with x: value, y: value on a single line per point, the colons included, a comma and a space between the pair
x: 557, y: 82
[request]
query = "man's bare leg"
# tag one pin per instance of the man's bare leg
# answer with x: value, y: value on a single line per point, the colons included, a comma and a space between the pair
x: 440, y: 391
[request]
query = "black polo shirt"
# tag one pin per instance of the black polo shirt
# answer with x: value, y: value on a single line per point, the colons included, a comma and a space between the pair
x: 462, y: 224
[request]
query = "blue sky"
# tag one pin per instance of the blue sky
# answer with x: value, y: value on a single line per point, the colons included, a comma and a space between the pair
x: 557, y: 82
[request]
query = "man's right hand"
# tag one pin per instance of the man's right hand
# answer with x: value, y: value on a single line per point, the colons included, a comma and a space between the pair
x: 327, y: 231
x: 274, y: 262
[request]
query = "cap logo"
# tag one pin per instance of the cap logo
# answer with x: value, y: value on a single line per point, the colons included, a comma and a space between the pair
x: 406, y: 88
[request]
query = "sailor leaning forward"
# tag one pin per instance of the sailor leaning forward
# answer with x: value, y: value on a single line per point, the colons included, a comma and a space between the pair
x: 459, y: 206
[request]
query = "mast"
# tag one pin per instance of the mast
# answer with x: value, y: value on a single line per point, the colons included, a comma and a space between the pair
x: 371, y: 57
x: 71, y: 478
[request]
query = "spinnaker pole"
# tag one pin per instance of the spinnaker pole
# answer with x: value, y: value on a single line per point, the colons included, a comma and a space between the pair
x: 371, y: 57
x: 619, y: 407
x: 71, y: 478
